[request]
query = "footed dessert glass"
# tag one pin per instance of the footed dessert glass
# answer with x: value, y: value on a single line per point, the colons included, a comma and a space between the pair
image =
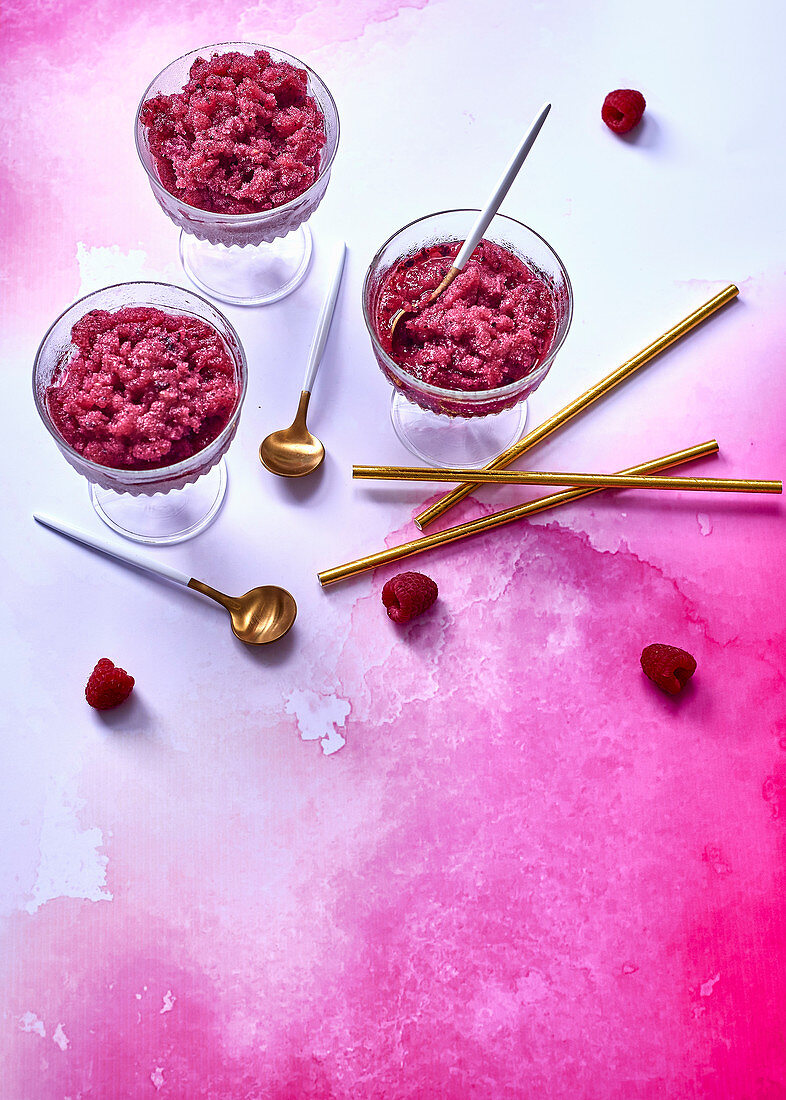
x: 166, y: 504
x: 243, y: 259
x: 466, y: 428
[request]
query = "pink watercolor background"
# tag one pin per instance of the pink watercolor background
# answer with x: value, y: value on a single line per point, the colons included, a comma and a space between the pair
x: 528, y: 873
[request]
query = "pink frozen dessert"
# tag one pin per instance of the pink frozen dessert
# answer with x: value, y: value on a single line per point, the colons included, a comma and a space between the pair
x: 243, y: 136
x: 145, y: 388
x: 493, y: 325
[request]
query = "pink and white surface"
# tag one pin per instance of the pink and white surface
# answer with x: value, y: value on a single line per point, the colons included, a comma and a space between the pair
x: 479, y: 856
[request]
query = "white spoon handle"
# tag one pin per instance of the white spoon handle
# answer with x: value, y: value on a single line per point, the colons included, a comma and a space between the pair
x: 325, y: 317
x: 501, y: 190
x: 133, y: 557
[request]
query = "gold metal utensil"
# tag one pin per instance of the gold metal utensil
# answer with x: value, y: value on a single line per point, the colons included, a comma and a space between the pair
x: 258, y: 617
x: 294, y: 451
x: 584, y: 400
x: 483, y: 219
x: 498, y: 519
x: 597, y: 481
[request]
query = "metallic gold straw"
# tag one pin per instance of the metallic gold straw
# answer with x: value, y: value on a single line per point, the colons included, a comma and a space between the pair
x: 497, y: 519
x: 596, y: 481
x: 584, y: 401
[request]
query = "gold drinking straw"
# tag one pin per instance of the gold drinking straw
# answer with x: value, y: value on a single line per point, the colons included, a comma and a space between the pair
x: 497, y: 519
x: 596, y: 481
x: 584, y: 401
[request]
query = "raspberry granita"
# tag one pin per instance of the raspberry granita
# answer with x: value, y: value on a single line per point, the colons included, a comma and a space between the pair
x: 243, y: 136
x: 145, y: 388
x: 492, y: 326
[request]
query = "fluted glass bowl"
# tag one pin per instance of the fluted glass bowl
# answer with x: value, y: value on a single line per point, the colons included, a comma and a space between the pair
x: 169, y: 503
x: 244, y: 259
x: 463, y: 427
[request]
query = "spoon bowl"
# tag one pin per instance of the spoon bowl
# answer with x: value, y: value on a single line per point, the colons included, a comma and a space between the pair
x: 263, y: 615
x: 413, y: 310
x: 259, y: 616
x: 293, y: 451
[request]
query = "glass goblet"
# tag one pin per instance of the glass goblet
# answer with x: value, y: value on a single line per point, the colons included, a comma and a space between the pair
x: 243, y: 259
x: 466, y: 428
x: 166, y: 504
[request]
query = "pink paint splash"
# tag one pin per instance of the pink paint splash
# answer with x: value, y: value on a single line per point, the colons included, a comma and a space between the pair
x: 565, y: 882
x: 78, y: 126
x: 59, y: 31
x: 527, y: 872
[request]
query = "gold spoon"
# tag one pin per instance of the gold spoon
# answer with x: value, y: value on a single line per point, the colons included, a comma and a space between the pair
x: 294, y: 451
x: 483, y: 219
x: 260, y: 616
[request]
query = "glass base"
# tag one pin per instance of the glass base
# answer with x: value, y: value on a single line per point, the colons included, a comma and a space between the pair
x: 252, y: 276
x: 164, y: 518
x: 466, y: 442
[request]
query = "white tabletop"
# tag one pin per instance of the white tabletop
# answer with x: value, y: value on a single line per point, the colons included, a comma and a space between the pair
x: 482, y: 852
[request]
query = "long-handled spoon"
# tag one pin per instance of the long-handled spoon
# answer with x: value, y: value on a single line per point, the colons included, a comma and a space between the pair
x: 294, y: 451
x: 484, y: 217
x: 262, y: 615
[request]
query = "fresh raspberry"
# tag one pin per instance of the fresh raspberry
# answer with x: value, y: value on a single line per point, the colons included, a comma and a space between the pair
x: 622, y: 110
x: 668, y: 667
x: 408, y: 595
x: 108, y: 686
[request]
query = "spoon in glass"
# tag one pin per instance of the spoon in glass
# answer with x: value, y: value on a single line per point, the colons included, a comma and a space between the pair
x: 483, y: 219
x: 294, y: 451
x: 260, y: 616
